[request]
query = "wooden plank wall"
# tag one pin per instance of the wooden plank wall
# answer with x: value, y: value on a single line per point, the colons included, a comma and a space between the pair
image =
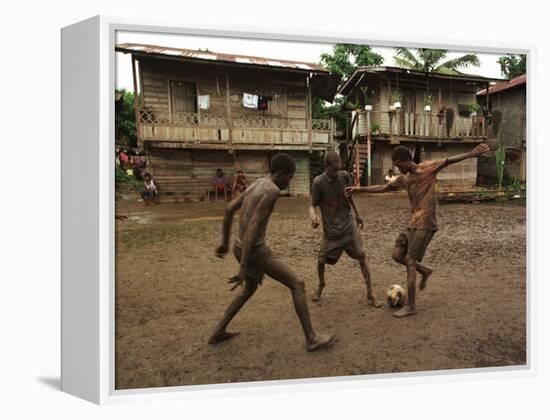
x: 289, y: 93
x: 188, y: 174
x: 462, y: 175
x: 448, y: 99
x: 300, y: 184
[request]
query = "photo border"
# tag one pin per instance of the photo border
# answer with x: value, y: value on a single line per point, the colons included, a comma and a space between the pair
x: 107, y: 392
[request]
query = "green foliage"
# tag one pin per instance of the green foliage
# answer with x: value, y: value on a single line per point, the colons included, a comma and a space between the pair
x: 428, y: 98
x: 121, y: 177
x: 430, y: 60
x: 512, y: 65
x: 367, y: 95
x: 500, y: 156
x: 474, y: 107
x: 345, y: 58
x: 374, y: 127
x: 396, y: 96
x: 515, y: 184
x: 125, y: 120
x: 335, y: 111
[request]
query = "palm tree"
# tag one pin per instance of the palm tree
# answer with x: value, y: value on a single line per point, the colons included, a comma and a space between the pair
x: 429, y: 60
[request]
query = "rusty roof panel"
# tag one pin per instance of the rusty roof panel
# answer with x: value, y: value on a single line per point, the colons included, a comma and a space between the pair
x: 508, y: 84
x: 221, y: 57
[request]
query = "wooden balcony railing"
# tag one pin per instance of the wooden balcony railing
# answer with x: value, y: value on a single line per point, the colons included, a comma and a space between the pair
x: 251, y: 129
x: 425, y: 124
x: 188, y: 119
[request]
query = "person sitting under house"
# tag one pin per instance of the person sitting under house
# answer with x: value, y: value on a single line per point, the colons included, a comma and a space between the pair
x: 151, y: 192
x: 220, y: 184
x: 123, y: 158
x: 239, y: 184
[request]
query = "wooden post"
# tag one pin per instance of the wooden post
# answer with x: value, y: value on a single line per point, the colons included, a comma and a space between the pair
x: 332, y: 131
x: 229, y: 120
x: 136, y: 105
x: 357, y: 163
x: 309, y: 116
x: 487, y: 96
x: 369, y: 170
x: 198, y: 92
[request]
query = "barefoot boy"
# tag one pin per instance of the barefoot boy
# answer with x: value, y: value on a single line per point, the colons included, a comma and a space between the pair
x: 340, y: 231
x: 419, y: 180
x: 255, y: 257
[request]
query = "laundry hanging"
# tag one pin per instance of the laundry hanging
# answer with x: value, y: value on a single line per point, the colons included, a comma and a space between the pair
x: 250, y: 100
x: 204, y: 101
x: 263, y: 102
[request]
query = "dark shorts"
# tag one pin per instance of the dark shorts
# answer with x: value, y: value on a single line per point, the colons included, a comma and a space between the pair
x: 332, y: 249
x: 415, y: 242
x: 148, y: 194
x: 220, y: 187
x: 258, y: 260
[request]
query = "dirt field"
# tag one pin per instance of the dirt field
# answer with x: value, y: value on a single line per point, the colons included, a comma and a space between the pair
x: 171, y: 290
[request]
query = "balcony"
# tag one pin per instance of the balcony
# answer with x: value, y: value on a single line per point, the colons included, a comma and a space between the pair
x: 204, y: 130
x: 426, y: 125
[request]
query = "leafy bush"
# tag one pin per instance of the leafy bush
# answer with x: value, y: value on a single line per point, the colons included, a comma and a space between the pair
x: 474, y: 107
x: 121, y: 177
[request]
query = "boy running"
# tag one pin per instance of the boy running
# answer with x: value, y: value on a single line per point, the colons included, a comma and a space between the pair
x: 255, y: 257
x: 419, y: 180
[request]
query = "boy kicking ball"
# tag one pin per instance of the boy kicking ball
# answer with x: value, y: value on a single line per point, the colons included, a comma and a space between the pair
x: 419, y: 180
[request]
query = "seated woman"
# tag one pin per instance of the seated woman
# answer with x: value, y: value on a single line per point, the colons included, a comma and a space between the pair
x: 239, y: 184
x: 151, y: 192
x: 220, y: 184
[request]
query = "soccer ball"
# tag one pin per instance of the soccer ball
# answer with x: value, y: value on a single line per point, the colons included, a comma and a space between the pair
x: 396, y: 296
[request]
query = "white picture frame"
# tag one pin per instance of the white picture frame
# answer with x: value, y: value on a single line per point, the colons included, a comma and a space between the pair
x: 87, y: 343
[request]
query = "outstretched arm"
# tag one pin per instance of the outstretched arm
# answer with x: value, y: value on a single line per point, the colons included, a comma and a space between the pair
x: 227, y: 222
x: 477, y: 151
x: 391, y: 186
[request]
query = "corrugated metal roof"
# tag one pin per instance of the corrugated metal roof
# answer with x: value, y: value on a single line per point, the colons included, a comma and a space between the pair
x: 516, y: 81
x: 360, y: 72
x: 222, y: 57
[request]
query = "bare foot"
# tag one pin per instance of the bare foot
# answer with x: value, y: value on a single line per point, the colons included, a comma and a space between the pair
x: 222, y: 336
x: 424, y: 279
x: 316, y: 295
x: 321, y: 341
x: 404, y: 311
x: 373, y: 300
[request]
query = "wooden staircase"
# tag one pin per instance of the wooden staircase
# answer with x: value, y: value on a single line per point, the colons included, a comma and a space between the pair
x: 357, y: 173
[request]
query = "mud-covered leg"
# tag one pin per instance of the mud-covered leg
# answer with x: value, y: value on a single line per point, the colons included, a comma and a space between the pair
x: 410, y: 307
x: 398, y: 255
x: 366, y: 276
x: 220, y: 334
x: 321, y: 273
x: 280, y: 272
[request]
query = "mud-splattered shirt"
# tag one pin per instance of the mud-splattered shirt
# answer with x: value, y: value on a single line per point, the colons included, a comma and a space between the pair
x: 336, y: 211
x: 420, y: 187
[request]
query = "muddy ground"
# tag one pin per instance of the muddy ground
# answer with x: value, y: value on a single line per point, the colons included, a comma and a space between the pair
x: 171, y: 290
